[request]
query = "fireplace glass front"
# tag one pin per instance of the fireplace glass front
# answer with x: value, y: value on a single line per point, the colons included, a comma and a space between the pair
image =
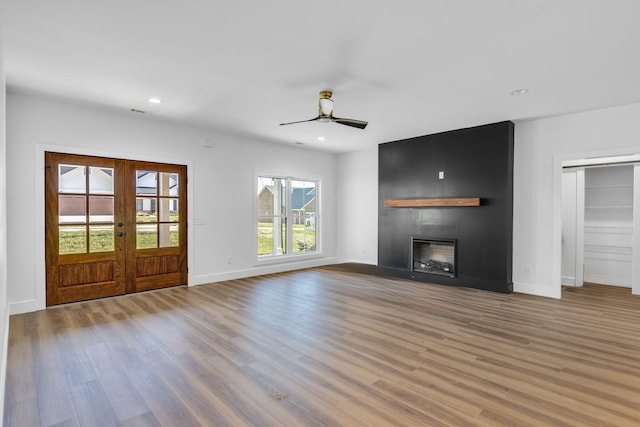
x: 434, y: 256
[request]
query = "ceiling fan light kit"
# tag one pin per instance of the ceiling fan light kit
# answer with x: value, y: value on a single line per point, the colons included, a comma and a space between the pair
x: 325, y: 113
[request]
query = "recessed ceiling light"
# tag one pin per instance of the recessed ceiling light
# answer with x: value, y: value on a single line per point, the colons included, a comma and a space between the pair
x: 321, y: 138
x: 155, y: 100
x: 519, y: 91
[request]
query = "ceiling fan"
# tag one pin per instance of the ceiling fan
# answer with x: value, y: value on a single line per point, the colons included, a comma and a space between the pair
x: 325, y: 113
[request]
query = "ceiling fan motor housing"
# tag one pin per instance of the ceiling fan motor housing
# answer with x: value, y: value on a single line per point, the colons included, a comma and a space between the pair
x: 325, y: 103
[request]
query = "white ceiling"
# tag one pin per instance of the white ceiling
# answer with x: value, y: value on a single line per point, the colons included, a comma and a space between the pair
x: 409, y: 67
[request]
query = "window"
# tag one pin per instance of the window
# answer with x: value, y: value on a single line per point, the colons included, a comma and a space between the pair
x: 157, y: 215
x: 287, y: 216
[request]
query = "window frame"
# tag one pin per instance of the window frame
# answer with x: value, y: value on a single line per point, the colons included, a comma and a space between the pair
x: 288, y: 178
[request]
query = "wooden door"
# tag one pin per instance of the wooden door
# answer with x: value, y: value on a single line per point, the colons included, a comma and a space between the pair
x: 84, y: 205
x: 112, y: 226
x: 156, y: 226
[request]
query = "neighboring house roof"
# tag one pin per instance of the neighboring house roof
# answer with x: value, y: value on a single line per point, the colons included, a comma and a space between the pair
x: 72, y: 179
x: 147, y: 183
x: 300, y: 197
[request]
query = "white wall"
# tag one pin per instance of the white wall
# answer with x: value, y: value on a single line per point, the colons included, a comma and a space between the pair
x: 357, y: 207
x: 540, y: 147
x: 221, y: 187
x: 4, y: 319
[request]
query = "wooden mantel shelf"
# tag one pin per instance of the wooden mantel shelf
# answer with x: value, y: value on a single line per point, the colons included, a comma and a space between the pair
x: 419, y: 203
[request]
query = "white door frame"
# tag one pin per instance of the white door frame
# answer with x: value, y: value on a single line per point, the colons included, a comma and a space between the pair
x: 577, y: 269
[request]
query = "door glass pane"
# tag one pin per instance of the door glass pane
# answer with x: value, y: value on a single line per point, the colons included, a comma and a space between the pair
x: 146, y: 236
x: 72, y: 239
x: 168, y: 184
x: 72, y: 209
x: 146, y: 183
x: 100, y: 180
x: 146, y: 209
x: 71, y: 179
x: 169, y: 235
x: 101, y: 238
x: 169, y: 210
x: 100, y: 208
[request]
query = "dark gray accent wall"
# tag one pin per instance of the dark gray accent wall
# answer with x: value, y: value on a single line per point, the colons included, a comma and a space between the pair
x: 477, y: 162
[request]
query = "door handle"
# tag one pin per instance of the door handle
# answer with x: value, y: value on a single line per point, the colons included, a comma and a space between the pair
x: 120, y: 234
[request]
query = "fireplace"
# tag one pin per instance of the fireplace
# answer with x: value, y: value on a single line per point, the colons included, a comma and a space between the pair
x: 434, y: 256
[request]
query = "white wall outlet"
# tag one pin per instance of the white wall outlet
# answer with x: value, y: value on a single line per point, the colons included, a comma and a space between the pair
x: 441, y: 175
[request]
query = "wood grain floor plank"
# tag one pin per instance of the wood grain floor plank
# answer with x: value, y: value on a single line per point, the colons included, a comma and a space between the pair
x: 166, y: 406
x: 91, y: 404
x: 21, y: 374
x: 22, y: 413
x: 324, y: 347
x: 122, y: 394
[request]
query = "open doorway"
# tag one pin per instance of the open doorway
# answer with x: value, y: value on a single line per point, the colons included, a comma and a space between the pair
x: 598, y: 222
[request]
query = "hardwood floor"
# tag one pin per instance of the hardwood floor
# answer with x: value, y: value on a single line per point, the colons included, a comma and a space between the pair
x: 325, y: 347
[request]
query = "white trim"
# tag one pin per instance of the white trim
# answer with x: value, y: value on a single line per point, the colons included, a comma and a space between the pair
x: 250, y: 272
x: 580, y: 195
x: 558, y: 161
x: 604, y: 161
x: 3, y: 372
x: 537, y: 289
x: 357, y: 261
x: 635, y: 263
x: 25, y: 306
x: 39, y: 303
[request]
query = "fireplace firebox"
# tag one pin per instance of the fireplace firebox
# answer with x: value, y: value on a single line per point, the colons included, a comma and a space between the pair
x: 434, y: 256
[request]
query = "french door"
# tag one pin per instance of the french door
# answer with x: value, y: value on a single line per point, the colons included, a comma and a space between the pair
x: 113, y: 226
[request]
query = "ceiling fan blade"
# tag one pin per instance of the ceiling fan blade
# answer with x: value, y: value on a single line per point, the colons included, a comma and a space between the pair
x: 300, y: 121
x: 360, y: 124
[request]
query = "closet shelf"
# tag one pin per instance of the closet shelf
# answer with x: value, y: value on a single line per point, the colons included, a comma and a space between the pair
x: 597, y: 187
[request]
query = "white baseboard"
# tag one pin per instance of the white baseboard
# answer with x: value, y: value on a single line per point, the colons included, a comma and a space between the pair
x: 257, y: 271
x: 25, y: 306
x: 359, y: 261
x: 537, y: 289
x: 3, y: 370
x: 568, y: 281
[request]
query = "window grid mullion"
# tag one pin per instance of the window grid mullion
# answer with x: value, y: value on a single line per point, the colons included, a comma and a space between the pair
x: 289, y: 220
